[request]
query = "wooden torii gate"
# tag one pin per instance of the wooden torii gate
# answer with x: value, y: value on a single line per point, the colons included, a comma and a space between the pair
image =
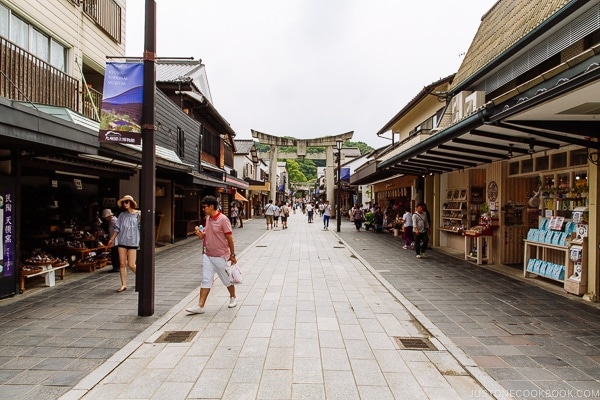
x: 301, y: 144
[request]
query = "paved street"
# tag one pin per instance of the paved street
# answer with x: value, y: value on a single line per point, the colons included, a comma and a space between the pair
x: 319, y: 316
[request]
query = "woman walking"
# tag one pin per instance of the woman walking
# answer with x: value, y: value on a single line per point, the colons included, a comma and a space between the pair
x: 127, y: 233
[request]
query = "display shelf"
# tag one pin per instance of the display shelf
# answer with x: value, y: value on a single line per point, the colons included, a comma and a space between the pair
x: 454, y: 215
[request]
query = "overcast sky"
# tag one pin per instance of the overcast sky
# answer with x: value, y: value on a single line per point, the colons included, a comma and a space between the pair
x: 310, y: 68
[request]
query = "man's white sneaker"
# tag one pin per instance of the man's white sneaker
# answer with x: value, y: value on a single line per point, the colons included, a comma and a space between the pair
x: 418, y: 256
x: 232, y: 302
x: 423, y: 255
x: 404, y: 247
x: 195, y: 310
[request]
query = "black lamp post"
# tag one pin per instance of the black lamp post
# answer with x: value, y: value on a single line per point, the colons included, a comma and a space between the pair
x: 338, y: 213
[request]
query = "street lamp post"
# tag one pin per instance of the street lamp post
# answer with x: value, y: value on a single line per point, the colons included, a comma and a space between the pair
x: 338, y: 213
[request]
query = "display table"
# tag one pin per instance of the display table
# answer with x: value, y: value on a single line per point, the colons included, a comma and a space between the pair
x: 80, y: 253
x: 482, y: 243
x: 49, y: 273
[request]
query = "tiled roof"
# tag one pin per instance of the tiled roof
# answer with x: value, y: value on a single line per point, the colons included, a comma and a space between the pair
x: 173, y: 70
x: 243, y: 146
x: 501, y: 27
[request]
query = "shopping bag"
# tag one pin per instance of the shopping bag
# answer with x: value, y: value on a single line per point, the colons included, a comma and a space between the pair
x: 236, y: 274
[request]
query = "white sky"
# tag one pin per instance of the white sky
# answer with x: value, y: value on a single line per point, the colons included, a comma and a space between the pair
x: 310, y: 68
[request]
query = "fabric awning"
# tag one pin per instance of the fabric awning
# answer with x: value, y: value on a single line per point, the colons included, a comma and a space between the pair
x: 239, y: 197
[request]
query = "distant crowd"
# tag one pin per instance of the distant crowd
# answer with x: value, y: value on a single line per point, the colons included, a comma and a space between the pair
x: 413, y: 225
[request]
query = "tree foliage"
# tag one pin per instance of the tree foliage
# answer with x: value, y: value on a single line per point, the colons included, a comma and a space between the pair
x: 303, y: 170
x: 295, y: 173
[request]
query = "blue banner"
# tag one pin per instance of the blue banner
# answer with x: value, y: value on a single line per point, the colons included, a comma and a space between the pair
x: 122, y: 100
x: 345, y: 174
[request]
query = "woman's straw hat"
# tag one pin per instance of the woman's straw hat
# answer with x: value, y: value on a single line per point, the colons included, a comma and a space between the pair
x: 126, y: 197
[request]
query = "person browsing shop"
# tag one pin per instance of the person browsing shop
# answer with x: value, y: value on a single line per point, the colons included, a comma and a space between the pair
x: 111, y: 220
x: 219, y: 249
x: 127, y: 235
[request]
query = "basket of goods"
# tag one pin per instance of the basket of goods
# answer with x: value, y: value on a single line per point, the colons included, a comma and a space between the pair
x: 76, y: 245
x: 101, y: 260
x: 87, y: 264
x: 60, y: 263
x: 30, y: 269
x: 39, y: 258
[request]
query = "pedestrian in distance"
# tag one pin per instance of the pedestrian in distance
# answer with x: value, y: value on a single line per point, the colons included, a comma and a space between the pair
x: 309, y: 211
x: 234, y: 215
x: 218, y: 246
x: 408, y: 229
x: 358, y: 216
x: 111, y: 221
x: 285, y: 213
x: 276, y: 214
x: 269, y: 212
x: 326, y: 215
x: 421, y: 230
x: 127, y: 236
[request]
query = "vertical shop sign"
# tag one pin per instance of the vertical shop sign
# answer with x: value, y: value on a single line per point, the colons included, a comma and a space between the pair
x: 122, y: 100
x: 7, y: 266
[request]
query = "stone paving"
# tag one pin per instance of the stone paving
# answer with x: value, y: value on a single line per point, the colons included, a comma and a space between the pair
x: 312, y: 321
x: 318, y: 315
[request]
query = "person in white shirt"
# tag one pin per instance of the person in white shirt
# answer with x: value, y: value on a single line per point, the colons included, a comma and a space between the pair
x: 408, y: 229
x: 309, y: 211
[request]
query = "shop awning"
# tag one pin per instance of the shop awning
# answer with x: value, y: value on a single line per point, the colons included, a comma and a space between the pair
x: 236, y: 183
x: 43, y: 129
x: 205, y: 180
x: 239, y: 197
x: 164, y: 157
x: 260, y: 188
x: 558, y: 112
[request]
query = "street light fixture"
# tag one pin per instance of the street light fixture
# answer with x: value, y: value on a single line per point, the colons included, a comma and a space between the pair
x: 338, y: 214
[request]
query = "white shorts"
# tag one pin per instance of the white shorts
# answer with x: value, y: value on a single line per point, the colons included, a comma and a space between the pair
x: 212, y: 265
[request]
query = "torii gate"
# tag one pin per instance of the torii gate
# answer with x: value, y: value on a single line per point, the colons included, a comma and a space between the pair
x: 301, y: 144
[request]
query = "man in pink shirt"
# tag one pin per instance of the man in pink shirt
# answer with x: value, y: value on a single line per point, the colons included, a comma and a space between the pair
x: 218, y: 250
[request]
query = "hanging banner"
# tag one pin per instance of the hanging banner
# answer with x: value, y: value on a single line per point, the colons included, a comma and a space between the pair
x: 7, y: 262
x: 122, y: 99
x: 345, y: 174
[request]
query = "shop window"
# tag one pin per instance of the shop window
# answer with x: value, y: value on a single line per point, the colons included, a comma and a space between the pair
x: 548, y: 181
x: 542, y: 163
x: 527, y: 166
x: 513, y: 168
x: 559, y: 160
x: 578, y: 157
x: 563, y: 181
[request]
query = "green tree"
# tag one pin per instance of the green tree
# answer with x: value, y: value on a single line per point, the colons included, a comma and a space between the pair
x: 362, y: 146
x: 294, y: 172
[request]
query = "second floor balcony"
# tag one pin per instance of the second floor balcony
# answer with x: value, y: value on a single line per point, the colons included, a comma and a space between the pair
x: 25, y: 77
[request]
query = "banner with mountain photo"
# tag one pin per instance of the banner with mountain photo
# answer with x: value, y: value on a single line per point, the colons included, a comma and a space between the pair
x: 122, y: 100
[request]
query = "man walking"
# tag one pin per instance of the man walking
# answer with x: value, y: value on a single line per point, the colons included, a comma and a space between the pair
x: 421, y: 229
x: 218, y: 250
x: 309, y: 211
x: 269, y: 213
x: 326, y: 215
x: 285, y: 213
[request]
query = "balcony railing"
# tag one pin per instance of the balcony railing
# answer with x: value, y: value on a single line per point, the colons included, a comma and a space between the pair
x: 24, y: 77
x: 92, y: 100
x: 107, y: 14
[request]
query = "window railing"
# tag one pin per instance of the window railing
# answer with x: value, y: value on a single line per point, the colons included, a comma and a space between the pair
x: 107, y: 14
x: 24, y: 77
